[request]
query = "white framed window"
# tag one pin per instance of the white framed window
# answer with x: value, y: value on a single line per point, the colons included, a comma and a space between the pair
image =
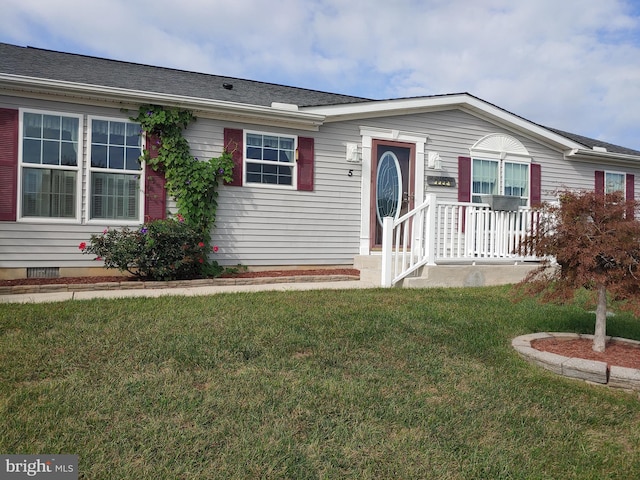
x: 615, y: 182
x: 516, y: 180
x: 50, y: 166
x: 499, y: 177
x: 269, y: 159
x: 501, y: 165
x: 114, y: 173
x: 485, y: 178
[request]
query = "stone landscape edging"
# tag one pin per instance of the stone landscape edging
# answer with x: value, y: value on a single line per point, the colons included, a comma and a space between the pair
x: 138, y: 285
x: 592, y: 371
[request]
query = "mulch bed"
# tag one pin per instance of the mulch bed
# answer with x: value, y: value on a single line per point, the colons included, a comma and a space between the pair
x: 116, y: 278
x: 616, y: 353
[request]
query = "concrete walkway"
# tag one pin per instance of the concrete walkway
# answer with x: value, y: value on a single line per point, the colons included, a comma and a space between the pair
x: 60, y: 293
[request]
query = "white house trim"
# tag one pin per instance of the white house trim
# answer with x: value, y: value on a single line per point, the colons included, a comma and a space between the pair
x: 369, y: 134
x: 79, y: 169
x: 598, y: 157
x: 463, y: 101
x: 99, y: 95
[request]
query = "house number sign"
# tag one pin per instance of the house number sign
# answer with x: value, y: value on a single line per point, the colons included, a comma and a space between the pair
x: 441, y: 181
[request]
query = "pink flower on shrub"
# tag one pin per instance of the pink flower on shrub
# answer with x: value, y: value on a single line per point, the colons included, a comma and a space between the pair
x: 201, y: 244
x: 201, y: 260
x: 98, y: 258
x: 180, y: 218
x: 105, y: 231
x: 82, y: 245
x: 215, y: 248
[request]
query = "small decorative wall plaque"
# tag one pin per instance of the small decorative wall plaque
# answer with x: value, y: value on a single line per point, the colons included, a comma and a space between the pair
x: 441, y: 181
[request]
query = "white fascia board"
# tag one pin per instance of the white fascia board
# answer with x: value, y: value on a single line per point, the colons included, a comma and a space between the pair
x: 600, y: 157
x: 382, y: 108
x: 468, y: 103
x: 238, y: 112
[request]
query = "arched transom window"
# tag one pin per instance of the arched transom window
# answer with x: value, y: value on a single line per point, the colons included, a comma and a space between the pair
x: 500, y: 165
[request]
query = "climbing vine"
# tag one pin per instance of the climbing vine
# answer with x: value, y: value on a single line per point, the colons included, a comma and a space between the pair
x: 192, y: 182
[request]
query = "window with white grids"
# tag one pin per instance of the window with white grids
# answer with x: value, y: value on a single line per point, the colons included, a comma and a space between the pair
x: 50, y: 165
x: 114, y: 170
x: 270, y: 159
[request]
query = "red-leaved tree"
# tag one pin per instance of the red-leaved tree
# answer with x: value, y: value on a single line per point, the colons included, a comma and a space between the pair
x: 588, y: 240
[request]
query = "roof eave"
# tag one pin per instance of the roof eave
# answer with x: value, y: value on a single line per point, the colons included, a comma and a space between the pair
x: 588, y: 154
x: 79, y: 92
x: 462, y: 101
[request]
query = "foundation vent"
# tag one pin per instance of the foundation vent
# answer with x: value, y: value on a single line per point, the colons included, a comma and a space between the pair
x: 43, y: 272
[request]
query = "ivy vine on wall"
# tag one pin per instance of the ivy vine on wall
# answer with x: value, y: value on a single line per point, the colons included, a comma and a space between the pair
x: 191, y: 181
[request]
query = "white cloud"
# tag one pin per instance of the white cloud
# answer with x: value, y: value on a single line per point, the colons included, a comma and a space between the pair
x: 573, y: 64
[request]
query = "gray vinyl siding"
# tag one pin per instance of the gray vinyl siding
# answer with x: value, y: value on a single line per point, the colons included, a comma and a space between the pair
x: 259, y: 226
x: 452, y: 133
x: 255, y: 226
x: 262, y: 226
x: 26, y: 244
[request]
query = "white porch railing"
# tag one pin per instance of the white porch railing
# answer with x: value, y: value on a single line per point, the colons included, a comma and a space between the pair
x: 444, y: 232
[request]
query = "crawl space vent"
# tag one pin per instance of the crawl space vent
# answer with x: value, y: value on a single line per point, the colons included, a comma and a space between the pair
x: 43, y: 272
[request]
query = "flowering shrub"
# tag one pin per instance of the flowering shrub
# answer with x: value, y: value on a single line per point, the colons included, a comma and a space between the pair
x: 159, y: 250
x: 178, y: 248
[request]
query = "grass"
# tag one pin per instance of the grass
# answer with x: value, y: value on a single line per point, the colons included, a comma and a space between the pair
x: 319, y: 384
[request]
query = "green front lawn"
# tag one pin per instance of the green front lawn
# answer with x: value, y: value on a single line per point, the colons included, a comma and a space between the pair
x: 320, y: 384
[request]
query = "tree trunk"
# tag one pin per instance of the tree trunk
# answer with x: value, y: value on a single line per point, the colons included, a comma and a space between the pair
x: 601, y: 320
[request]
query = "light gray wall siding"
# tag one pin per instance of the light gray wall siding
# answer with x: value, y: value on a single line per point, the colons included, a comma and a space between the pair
x: 452, y: 133
x: 38, y: 244
x: 260, y: 226
x: 255, y: 226
x: 25, y: 245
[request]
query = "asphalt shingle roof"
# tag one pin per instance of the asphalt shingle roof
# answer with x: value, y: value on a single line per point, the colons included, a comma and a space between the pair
x: 48, y: 64
x: 40, y: 63
x: 591, y: 142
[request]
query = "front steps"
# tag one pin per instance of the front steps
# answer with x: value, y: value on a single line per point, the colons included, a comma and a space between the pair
x: 456, y: 275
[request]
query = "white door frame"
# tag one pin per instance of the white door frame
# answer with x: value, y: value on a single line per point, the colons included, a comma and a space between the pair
x: 368, y: 134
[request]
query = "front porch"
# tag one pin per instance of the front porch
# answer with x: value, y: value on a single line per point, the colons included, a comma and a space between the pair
x: 446, y: 244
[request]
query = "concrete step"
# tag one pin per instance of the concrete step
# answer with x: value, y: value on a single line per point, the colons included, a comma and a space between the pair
x: 468, y: 275
x: 452, y: 275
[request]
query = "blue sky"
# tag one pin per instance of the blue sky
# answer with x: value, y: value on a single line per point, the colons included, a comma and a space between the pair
x: 569, y: 64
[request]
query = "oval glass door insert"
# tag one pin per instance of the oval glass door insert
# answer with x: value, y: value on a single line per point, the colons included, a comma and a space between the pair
x: 388, y: 187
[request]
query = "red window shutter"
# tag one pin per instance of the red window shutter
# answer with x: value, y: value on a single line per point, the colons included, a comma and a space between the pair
x: 464, y: 185
x: 233, y: 144
x: 464, y: 179
x: 305, y: 163
x: 536, y: 185
x: 8, y: 164
x: 631, y: 190
x: 599, y: 179
x: 631, y: 194
x: 155, y: 195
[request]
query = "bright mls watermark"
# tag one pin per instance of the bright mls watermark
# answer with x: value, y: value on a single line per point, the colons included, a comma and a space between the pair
x: 50, y: 467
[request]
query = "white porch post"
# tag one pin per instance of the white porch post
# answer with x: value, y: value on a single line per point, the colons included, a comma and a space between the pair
x: 430, y: 230
x: 365, y: 196
x: 387, y: 251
